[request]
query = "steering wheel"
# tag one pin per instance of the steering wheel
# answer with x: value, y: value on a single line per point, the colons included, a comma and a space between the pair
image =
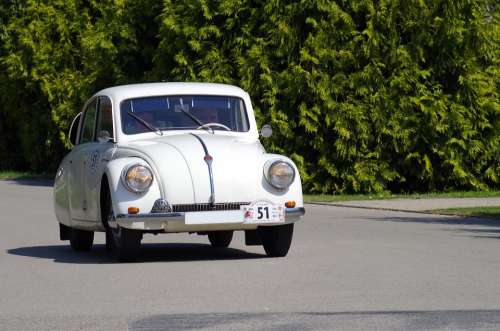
x: 214, y: 124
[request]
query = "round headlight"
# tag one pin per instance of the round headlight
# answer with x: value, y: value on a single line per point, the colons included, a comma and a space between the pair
x: 280, y: 174
x: 137, y: 178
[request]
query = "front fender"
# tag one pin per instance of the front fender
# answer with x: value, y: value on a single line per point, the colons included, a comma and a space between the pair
x: 292, y: 193
x: 121, y: 197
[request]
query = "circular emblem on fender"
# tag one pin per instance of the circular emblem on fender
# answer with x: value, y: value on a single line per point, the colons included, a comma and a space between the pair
x: 94, y: 161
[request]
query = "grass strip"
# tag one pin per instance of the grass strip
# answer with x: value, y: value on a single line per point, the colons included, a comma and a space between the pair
x: 492, y: 212
x: 8, y: 174
x: 388, y: 195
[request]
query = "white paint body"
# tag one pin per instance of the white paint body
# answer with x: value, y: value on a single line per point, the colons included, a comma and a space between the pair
x: 177, y: 161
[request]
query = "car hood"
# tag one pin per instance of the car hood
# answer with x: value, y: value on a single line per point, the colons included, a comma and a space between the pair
x: 179, y: 161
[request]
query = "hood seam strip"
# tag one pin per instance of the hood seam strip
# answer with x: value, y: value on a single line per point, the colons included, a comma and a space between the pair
x: 208, y: 160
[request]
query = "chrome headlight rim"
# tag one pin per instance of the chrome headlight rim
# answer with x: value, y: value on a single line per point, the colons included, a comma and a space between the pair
x: 267, y: 174
x: 125, y: 172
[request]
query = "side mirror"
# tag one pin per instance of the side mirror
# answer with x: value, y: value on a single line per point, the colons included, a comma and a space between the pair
x: 73, y: 129
x: 266, y: 131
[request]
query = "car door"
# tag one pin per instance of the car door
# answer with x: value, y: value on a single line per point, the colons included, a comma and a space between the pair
x: 78, y: 163
x: 98, y: 154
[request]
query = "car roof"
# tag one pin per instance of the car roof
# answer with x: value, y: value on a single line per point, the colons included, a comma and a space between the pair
x: 170, y: 88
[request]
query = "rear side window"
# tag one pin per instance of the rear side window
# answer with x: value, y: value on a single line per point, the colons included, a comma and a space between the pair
x: 89, y: 122
x: 74, y: 128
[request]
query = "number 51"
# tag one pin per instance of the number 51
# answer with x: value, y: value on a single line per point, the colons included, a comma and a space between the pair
x: 260, y: 213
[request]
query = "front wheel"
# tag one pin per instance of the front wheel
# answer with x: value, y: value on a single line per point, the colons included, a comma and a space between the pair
x: 276, y: 239
x: 80, y: 240
x: 125, y: 243
x: 220, y: 238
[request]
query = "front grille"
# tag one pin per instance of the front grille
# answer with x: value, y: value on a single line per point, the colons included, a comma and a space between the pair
x: 183, y: 208
x: 162, y: 206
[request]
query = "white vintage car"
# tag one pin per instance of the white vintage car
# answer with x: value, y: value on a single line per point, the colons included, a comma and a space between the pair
x: 174, y: 157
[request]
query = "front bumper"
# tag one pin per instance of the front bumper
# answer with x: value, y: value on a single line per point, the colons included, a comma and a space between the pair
x: 209, y: 221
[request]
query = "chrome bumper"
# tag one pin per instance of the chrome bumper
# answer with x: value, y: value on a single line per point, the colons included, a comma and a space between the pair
x: 175, y: 222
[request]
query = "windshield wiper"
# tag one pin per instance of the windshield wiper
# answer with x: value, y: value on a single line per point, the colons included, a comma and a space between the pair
x: 146, y: 124
x: 197, y: 121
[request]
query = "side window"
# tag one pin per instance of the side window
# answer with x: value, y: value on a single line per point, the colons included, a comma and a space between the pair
x: 104, y: 120
x: 89, y: 122
x: 73, y: 130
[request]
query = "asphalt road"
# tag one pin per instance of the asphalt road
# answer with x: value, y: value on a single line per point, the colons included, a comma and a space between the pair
x: 348, y: 269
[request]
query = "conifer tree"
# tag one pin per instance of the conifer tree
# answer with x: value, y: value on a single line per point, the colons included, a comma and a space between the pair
x: 364, y: 95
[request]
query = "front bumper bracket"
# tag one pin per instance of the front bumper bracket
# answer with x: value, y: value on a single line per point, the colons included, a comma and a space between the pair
x: 175, y: 221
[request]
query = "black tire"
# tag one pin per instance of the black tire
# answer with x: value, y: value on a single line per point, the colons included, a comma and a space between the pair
x: 124, y: 243
x: 276, y: 239
x: 220, y: 238
x: 109, y: 240
x: 80, y: 240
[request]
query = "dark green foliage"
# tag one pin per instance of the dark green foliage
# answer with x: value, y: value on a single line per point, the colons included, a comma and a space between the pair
x: 54, y: 56
x: 365, y: 96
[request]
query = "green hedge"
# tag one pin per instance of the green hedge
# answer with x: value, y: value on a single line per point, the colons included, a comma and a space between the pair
x: 365, y: 96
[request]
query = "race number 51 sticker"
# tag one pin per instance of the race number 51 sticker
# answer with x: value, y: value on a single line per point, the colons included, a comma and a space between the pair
x: 263, y: 212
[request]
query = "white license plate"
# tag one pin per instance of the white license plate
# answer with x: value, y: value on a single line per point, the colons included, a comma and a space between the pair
x: 263, y: 212
x: 213, y: 217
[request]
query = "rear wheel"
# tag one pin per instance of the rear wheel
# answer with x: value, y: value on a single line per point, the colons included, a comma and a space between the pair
x: 80, y: 240
x: 109, y: 241
x: 220, y: 238
x: 276, y: 239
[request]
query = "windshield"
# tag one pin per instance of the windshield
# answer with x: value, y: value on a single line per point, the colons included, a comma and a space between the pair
x: 184, y: 112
